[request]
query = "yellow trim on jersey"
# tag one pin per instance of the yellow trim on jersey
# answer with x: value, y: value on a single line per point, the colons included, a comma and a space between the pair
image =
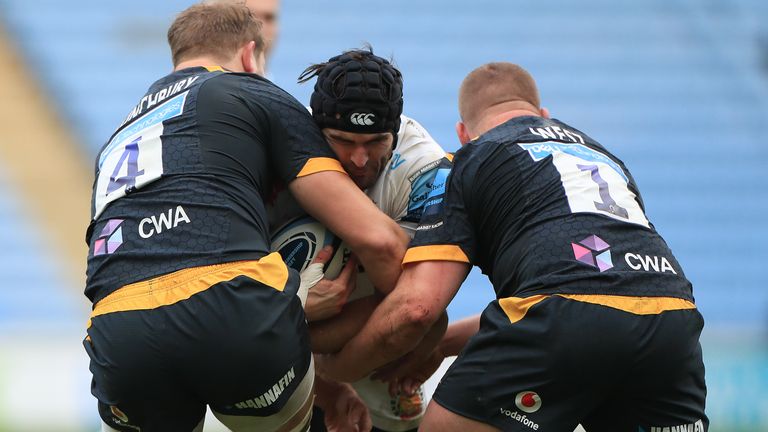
x: 214, y: 68
x: 449, y: 156
x: 435, y: 253
x: 516, y: 307
x: 183, y: 284
x: 319, y: 164
x: 635, y: 305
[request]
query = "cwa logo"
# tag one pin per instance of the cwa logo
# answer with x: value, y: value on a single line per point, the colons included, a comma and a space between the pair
x: 362, y: 119
x: 584, y: 251
x: 110, y: 239
x: 649, y: 263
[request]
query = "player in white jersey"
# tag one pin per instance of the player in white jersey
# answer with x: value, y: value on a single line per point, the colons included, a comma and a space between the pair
x: 357, y: 102
x: 400, y: 192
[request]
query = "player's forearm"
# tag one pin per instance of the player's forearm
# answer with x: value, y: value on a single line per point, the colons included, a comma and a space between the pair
x: 334, y: 200
x: 435, y: 336
x: 382, y: 254
x: 401, y: 320
x: 329, y: 336
x: 457, y: 335
x: 394, y: 330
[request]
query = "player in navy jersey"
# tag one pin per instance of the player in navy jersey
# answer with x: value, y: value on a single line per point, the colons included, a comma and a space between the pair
x: 594, y: 321
x: 190, y: 307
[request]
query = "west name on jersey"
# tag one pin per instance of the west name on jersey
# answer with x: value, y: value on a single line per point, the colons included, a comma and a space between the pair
x: 556, y: 132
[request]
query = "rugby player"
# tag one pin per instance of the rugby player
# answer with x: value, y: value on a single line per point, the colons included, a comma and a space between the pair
x: 357, y: 102
x: 268, y: 12
x: 190, y: 307
x: 594, y: 321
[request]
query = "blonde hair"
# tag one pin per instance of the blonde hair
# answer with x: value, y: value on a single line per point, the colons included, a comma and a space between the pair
x: 217, y: 30
x: 494, y: 84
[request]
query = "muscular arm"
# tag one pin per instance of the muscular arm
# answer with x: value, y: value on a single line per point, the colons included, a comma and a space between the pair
x: 329, y: 335
x: 458, y: 334
x: 379, y: 243
x: 400, y: 322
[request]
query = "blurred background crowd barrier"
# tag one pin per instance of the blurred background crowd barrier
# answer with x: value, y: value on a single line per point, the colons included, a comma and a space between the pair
x: 677, y: 88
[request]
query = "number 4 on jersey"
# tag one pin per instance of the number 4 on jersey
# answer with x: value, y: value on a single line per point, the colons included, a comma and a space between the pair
x: 128, y: 165
x: 130, y: 158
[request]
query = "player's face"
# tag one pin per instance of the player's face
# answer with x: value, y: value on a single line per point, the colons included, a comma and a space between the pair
x: 363, y: 156
x: 266, y: 11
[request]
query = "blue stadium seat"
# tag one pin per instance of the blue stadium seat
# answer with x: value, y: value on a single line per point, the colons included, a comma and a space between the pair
x: 682, y: 104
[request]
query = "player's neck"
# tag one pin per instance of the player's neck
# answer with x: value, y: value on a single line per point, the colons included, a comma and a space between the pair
x: 492, y: 121
x: 208, y: 63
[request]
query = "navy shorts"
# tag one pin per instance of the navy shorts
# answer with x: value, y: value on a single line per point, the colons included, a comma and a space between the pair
x: 232, y: 336
x: 568, y: 362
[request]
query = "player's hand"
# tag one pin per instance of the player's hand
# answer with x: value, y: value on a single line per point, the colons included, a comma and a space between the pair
x: 409, y: 372
x: 348, y: 413
x: 327, y: 297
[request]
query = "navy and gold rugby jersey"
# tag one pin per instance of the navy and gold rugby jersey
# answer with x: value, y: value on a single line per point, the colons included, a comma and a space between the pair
x: 543, y: 209
x: 182, y: 182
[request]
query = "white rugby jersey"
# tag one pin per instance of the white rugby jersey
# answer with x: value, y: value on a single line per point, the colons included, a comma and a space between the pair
x: 400, y: 192
x: 406, y: 181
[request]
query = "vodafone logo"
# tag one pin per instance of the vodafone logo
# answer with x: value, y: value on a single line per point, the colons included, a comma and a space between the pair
x: 362, y: 119
x: 528, y: 401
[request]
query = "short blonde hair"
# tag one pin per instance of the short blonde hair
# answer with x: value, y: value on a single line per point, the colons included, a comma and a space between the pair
x: 213, y: 29
x: 493, y: 84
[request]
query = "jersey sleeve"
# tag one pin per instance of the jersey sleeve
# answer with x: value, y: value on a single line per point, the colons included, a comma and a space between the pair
x: 417, y: 188
x: 445, y: 232
x: 296, y: 144
x: 409, y: 176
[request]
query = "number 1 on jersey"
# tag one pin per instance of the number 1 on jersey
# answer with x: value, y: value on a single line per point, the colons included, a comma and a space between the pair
x: 608, y: 204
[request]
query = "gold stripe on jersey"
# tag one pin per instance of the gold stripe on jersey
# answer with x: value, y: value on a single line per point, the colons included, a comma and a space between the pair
x: 214, y: 68
x: 635, y: 305
x: 435, y: 253
x: 516, y: 307
x: 183, y: 284
x: 319, y: 164
x: 449, y: 156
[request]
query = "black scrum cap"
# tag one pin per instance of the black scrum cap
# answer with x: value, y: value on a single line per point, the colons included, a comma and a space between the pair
x: 358, y: 92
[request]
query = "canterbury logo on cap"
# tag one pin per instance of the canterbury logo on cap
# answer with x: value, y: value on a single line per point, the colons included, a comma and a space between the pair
x: 362, y: 119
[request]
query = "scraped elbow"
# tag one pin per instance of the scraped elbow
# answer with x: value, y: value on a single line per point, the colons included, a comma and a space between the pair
x: 418, y: 319
x: 413, y: 322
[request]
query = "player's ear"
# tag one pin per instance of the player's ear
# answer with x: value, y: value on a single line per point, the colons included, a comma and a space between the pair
x: 462, y: 133
x: 545, y: 113
x: 248, y: 59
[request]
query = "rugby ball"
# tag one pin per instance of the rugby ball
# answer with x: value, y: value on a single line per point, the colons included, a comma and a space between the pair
x: 300, y: 240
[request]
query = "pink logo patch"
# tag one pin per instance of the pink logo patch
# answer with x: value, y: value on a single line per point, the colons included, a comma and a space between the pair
x: 593, y: 251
